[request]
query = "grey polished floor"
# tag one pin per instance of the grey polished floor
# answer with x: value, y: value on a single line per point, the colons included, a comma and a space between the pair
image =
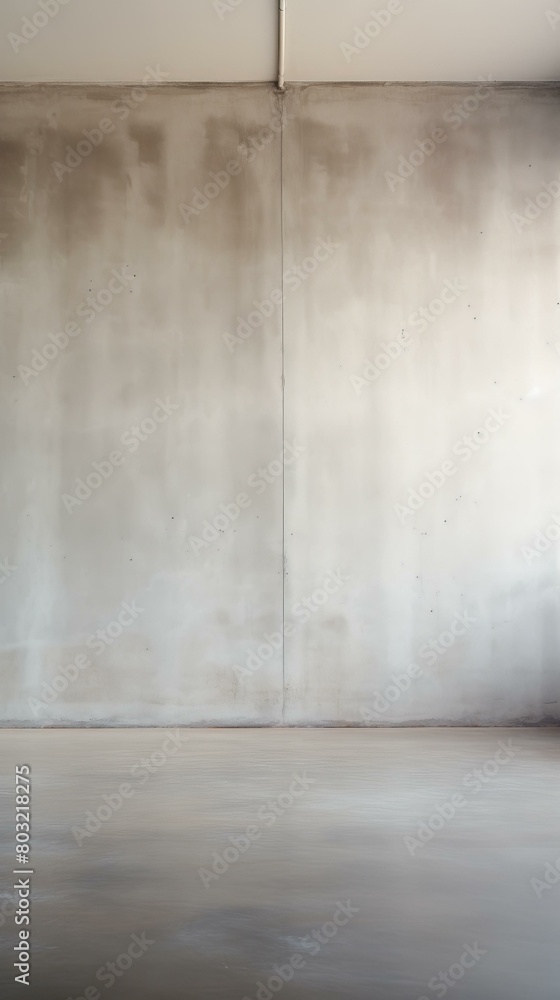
x: 323, y: 885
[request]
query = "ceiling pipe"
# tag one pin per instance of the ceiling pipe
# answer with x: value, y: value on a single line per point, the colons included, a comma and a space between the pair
x: 281, y: 44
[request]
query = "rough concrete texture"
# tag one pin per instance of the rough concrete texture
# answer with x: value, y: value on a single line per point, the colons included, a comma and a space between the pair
x: 483, y: 880
x: 377, y: 401
x: 374, y: 432
x: 159, y: 337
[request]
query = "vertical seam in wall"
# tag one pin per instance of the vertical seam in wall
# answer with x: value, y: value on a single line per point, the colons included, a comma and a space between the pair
x: 282, y: 404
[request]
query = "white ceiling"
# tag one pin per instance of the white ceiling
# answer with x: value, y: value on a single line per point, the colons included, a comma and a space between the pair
x: 191, y: 40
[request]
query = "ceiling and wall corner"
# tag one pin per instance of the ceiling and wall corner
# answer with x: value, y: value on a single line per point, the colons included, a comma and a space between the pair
x: 114, y: 41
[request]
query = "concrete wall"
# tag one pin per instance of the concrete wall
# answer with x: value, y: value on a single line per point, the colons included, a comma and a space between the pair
x: 160, y: 337
x: 379, y: 560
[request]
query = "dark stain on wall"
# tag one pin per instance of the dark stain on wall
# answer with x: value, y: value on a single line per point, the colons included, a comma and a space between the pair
x: 14, y: 195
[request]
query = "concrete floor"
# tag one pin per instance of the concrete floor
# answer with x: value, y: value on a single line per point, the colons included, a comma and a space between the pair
x: 459, y: 909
